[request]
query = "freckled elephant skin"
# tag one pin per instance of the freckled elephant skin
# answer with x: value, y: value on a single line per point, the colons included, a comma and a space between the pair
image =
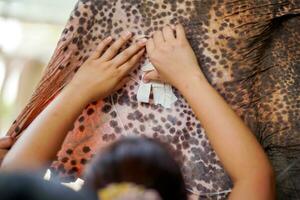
x: 250, y: 52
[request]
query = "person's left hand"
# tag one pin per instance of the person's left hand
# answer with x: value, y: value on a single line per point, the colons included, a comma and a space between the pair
x: 5, y: 144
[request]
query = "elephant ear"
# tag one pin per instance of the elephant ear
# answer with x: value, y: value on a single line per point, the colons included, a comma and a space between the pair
x: 249, y: 51
x: 268, y: 66
x: 282, y: 8
x: 273, y: 87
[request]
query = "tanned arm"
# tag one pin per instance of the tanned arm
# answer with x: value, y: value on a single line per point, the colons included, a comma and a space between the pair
x: 103, y: 73
x: 239, y: 151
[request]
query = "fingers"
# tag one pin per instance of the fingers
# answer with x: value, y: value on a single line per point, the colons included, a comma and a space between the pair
x: 127, y: 67
x: 122, y: 83
x: 158, y: 38
x: 152, y: 76
x: 169, y: 34
x: 130, y: 64
x: 6, y: 142
x: 180, y: 33
x: 113, y: 50
x: 150, y: 46
x: 100, y: 48
x: 129, y: 52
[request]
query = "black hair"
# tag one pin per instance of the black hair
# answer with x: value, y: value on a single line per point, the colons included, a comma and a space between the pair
x: 141, y: 161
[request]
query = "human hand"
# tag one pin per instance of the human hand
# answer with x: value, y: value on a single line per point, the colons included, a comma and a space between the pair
x: 172, y: 56
x: 106, y: 71
x: 5, y: 144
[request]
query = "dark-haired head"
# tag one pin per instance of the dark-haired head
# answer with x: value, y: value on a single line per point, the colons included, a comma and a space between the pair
x: 141, y: 161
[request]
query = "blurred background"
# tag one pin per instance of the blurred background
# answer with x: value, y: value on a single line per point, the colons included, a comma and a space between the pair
x: 29, y: 32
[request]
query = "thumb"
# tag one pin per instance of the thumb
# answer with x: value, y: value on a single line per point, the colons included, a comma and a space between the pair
x: 152, y: 76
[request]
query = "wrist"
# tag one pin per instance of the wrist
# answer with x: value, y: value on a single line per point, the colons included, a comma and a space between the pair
x: 189, y: 82
x: 74, y: 92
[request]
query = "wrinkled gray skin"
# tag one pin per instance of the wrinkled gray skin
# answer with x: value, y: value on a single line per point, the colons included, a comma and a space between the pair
x: 249, y: 50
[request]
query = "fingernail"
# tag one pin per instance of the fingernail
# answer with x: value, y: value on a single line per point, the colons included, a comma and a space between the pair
x: 126, y: 34
x: 145, y: 79
x: 142, y: 41
x: 108, y: 39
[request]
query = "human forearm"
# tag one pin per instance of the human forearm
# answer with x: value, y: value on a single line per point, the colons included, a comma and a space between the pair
x: 259, y: 187
x: 239, y: 151
x: 176, y: 63
x: 231, y: 138
x: 42, y: 139
x: 105, y: 72
x: 237, y: 148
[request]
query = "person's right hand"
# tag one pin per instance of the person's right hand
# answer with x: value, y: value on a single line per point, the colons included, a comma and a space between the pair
x: 5, y: 144
x: 106, y: 71
x: 173, y: 57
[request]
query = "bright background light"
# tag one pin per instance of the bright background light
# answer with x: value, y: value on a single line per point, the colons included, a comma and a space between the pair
x: 10, y: 35
x: 30, y: 30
